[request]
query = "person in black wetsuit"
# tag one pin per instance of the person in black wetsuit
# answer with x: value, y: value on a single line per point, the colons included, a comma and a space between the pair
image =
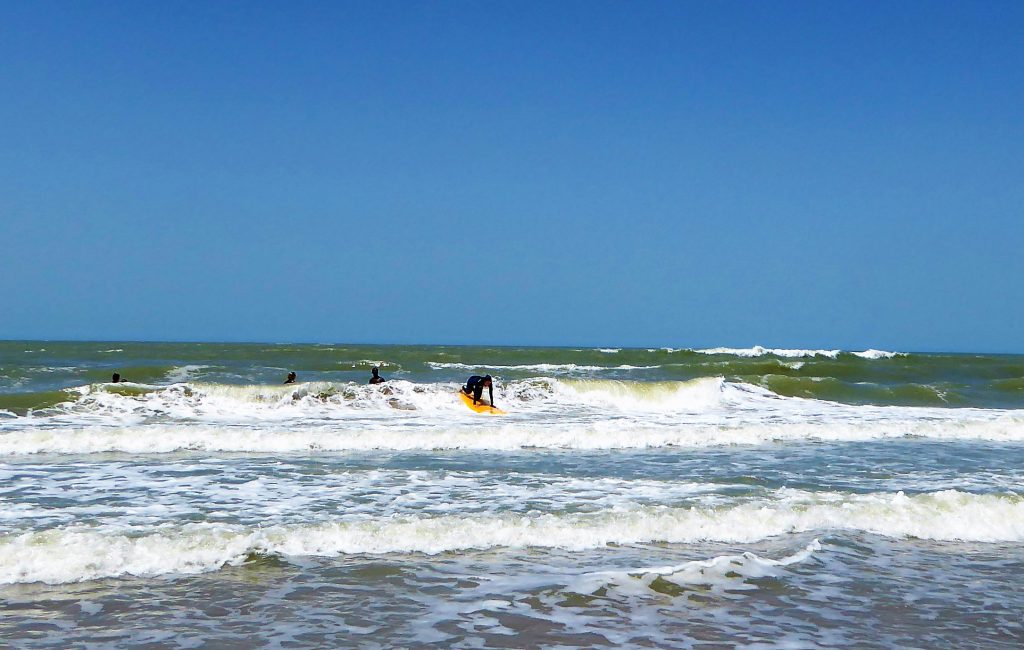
x: 376, y: 378
x: 475, y: 386
x: 290, y: 379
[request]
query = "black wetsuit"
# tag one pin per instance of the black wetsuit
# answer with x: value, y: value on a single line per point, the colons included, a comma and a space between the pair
x: 475, y: 387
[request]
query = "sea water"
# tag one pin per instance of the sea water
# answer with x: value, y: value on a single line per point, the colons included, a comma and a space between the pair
x: 630, y: 497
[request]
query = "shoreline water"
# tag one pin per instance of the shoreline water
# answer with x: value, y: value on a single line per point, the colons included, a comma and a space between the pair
x: 630, y: 497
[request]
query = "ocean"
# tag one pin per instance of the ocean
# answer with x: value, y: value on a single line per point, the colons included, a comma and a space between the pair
x: 629, y: 498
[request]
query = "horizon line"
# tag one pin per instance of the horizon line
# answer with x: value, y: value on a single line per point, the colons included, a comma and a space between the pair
x: 497, y: 345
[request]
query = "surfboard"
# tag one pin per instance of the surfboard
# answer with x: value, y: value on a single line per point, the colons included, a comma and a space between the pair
x: 479, y: 407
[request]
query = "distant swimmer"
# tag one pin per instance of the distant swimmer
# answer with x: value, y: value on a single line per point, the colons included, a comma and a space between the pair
x: 291, y: 378
x: 116, y: 379
x: 376, y: 378
x: 475, y: 386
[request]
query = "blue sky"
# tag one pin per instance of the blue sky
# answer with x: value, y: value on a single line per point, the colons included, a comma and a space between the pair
x: 796, y: 174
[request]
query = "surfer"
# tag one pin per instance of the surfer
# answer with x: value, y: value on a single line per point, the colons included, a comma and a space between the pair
x: 291, y: 378
x: 116, y: 379
x: 376, y: 378
x: 475, y: 386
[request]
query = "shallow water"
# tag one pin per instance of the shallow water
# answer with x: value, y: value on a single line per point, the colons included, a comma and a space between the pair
x: 650, y: 500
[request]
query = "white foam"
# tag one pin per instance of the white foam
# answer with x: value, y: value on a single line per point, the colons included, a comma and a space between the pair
x: 535, y: 367
x: 544, y: 412
x: 758, y: 351
x: 722, y: 572
x: 587, y: 414
x: 81, y: 552
x: 175, y: 490
x: 363, y: 364
x: 878, y: 354
x: 156, y: 439
x: 183, y: 373
x: 681, y: 396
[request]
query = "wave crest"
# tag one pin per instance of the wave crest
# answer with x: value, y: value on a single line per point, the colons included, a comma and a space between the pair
x: 759, y: 351
x: 80, y: 553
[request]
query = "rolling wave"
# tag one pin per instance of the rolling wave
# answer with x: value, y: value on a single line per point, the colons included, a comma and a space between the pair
x: 544, y: 412
x: 758, y: 351
x: 80, y: 552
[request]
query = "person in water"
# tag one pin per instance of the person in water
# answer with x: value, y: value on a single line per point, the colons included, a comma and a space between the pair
x: 291, y: 378
x: 475, y: 386
x: 376, y: 378
x: 116, y: 379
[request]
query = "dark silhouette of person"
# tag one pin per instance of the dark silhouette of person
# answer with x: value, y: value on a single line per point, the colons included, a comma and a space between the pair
x: 376, y: 378
x: 116, y: 379
x: 475, y: 386
x: 291, y: 378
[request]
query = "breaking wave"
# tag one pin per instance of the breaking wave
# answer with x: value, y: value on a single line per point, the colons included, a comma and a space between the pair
x: 758, y: 351
x: 535, y: 367
x: 80, y: 552
x: 543, y: 413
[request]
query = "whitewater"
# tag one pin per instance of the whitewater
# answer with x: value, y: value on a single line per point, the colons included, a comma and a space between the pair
x: 630, y: 497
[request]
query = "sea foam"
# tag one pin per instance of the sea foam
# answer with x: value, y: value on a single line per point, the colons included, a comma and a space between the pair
x: 544, y: 413
x: 758, y: 351
x: 81, y: 552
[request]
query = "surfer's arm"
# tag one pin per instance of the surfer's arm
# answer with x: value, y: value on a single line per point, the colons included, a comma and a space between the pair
x: 490, y: 391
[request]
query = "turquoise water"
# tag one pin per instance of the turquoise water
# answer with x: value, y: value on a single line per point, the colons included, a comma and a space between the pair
x: 629, y: 498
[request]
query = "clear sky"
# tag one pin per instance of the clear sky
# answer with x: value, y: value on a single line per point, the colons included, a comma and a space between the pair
x: 796, y: 174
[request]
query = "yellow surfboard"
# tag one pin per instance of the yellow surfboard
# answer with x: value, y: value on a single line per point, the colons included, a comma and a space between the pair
x: 479, y: 407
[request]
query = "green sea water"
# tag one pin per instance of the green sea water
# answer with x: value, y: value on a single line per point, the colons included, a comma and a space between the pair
x: 629, y: 498
x: 33, y: 375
